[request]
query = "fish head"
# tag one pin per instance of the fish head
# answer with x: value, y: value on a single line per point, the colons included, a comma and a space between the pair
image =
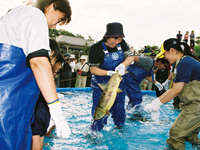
x: 98, y: 114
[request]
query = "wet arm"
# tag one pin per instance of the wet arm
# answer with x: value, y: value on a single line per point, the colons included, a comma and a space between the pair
x: 98, y: 71
x: 130, y: 59
x: 149, y: 78
x: 172, y: 93
x: 44, y: 77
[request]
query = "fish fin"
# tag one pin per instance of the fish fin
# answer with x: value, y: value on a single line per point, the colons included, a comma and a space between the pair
x: 102, y: 86
x: 119, y: 90
x: 107, y: 112
x: 126, y: 71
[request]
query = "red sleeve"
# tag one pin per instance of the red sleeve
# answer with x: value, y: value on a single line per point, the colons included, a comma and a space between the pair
x: 169, y: 67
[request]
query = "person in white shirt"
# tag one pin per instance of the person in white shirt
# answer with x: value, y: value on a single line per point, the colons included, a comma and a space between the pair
x: 73, y: 62
x: 81, y: 67
x: 25, y: 70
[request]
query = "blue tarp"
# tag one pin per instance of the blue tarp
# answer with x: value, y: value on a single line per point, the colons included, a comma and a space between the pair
x: 88, y: 89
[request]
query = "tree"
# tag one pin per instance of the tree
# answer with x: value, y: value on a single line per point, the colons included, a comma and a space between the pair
x: 53, y: 33
x: 86, y: 49
x: 90, y: 39
x: 197, y: 41
x: 79, y: 36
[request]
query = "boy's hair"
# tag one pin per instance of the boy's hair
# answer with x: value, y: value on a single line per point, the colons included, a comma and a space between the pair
x: 60, y: 59
x: 54, y: 47
x: 162, y: 60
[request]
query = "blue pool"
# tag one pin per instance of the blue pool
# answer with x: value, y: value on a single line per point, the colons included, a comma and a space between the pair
x: 142, y: 134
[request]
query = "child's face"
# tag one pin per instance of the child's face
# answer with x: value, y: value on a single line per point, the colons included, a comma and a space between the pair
x: 52, y: 59
x: 56, y: 67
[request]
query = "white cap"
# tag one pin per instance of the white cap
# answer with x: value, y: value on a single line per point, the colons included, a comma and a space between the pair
x: 71, y: 56
x: 82, y: 57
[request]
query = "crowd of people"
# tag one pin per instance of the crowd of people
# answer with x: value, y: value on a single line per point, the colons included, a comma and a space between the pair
x: 29, y: 101
x: 187, y: 38
x: 73, y: 73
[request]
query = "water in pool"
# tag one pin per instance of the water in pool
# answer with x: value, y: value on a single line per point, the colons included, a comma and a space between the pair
x: 142, y: 134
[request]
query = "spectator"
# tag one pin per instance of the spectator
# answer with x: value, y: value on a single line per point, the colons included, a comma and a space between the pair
x: 89, y: 79
x: 82, y: 67
x: 186, y: 37
x: 132, y: 50
x: 73, y: 62
x: 142, y: 54
x: 192, y: 38
x: 65, y: 73
x: 153, y: 54
x: 146, y: 49
x: 179, y: 36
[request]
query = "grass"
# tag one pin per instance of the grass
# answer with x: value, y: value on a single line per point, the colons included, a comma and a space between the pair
x: 197, y: 50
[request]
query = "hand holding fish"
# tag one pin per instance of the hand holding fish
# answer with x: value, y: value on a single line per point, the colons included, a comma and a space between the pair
x: 110, y: 73
x: 121, y: 68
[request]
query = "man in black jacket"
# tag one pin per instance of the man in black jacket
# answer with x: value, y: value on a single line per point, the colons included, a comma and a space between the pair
x: 66, y: 73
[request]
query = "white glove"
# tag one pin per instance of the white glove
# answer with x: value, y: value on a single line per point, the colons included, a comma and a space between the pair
x: 62, y: 127
x: 166, y: 83
x: 60, y: 96
x: 159, y: 86
x: 121, y: 68
x: 153, y: 106
x: 110, y: 73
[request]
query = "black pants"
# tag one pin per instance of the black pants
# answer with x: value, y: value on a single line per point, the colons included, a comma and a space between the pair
x: 73, y: 79
x: 65, y: 82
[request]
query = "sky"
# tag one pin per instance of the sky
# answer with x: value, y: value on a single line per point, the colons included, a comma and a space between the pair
x: 145, y: 22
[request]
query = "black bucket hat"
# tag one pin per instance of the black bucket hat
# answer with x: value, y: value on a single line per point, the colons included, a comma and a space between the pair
x: 114, y: 29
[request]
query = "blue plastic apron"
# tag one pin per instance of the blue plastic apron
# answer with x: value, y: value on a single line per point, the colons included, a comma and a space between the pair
x: 132, y: 82
x: 111, y: 61
x: 18, y: 95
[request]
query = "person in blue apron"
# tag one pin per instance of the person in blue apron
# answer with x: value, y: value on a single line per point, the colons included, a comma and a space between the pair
x: 25, y: 70
x: 141, y: 68
x: 187, y: 87
x: 105, y: 58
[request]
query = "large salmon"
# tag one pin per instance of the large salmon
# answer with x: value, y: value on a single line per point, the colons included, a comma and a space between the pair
x: 108, y: 96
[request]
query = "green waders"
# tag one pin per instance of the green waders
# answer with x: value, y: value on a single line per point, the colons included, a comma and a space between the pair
x: 187, y: 125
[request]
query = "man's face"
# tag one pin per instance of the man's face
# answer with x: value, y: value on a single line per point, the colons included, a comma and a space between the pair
x: 161, y: 66
x: 82, y: 60
x: 112, y: 42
